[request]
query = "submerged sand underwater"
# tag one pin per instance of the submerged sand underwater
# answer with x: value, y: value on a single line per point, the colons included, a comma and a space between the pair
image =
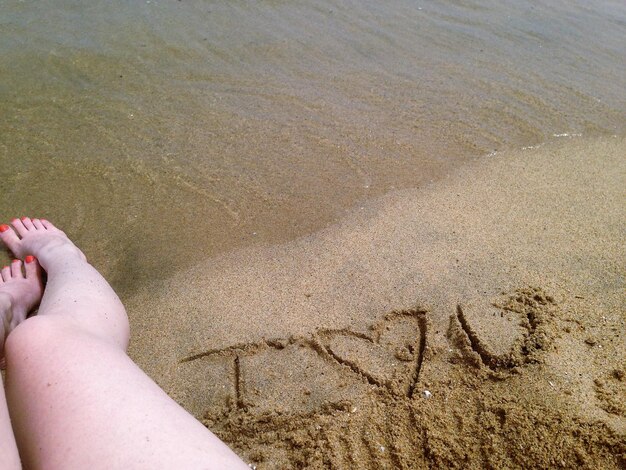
x: 476, y: 323
x: 233, y: 124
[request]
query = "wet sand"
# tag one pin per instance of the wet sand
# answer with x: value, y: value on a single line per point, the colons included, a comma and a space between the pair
x: 477, y: 322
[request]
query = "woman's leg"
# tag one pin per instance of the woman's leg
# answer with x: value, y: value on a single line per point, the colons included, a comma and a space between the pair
x: 8, y: 450
x: 19, y: 294
x: 75, y: 397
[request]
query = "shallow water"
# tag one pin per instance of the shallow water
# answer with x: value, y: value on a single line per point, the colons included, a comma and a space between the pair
x: 159, y: 133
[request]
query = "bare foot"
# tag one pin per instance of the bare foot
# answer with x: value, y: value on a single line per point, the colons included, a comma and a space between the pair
x: 40, y: 238
x: 19, y: 294
x: 75, y: 290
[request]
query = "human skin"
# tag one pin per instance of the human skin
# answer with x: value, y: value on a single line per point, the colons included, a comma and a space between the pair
x: 76, y: 400
x: 20, y: 291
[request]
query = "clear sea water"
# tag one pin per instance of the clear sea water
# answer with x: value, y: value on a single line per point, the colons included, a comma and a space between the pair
x: 161, y: 132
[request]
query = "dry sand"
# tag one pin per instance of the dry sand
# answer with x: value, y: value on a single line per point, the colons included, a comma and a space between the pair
x: 499, y: 290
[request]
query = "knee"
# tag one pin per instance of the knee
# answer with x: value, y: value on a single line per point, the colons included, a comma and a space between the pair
x: 42, y: 337
x: 33, y: 336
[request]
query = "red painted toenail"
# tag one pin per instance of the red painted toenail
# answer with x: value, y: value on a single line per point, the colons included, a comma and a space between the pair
x: 23, y: 218
x: 15, y: 261
x: 29, y: 259
x: 4, y: 228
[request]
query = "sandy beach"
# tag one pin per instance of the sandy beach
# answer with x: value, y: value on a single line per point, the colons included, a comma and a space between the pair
x: 349, y: 234
x: 475, y: 323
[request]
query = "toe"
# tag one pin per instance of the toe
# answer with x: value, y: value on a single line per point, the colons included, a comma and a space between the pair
x: 28, y: 223
x: 6, y: 273
x: 19, y: 227
x: 16, y: 268
x: 32, y: 268
x: 38, y: 225
x: 10, y: 238
x: 47, y: 224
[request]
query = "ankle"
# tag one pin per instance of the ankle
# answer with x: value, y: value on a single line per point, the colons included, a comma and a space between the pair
x: 61, y: 257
